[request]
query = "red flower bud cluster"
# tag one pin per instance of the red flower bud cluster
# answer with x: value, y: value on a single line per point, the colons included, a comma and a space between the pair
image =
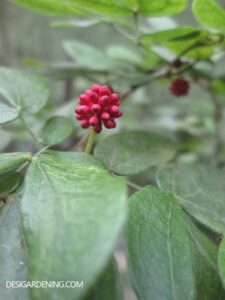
x: 98, y: 106
x: 179, y: 87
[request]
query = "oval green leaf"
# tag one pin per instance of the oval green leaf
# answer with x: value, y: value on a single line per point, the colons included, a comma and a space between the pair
x: 209, y: 13
x: 106, y: 7
x: 12, y: 161
x: 176, y: 34
x: 25, y: 92
x: 7, y: 113
x: 157, y: 7
x: 200, y: 189
x: 5, y: 138
x: 130, y: 152
x: 68, y: 209
x: 221, y: 261
x: 76, y: 7
x: 13, y: 261
x: 88, y: 56
x: 9, y: 182
x: 50, y: 7
x: 158, y: 245
x: 56, y: 130
x: 108, y: 285
x: 204, y: 262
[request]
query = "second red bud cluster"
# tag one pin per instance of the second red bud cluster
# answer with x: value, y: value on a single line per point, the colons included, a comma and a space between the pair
x: 98, y: 106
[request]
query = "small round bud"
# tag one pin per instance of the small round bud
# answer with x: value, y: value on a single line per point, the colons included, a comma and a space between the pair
x: 104, y: 101
x: 95, y: 88
x: 179, y: 87
x: 94, y: 97
x: 119, y: 114
x: 88, y: 93
x: 96, y: 108
x: 97, y: 128
x: 78, y: 110
x: 105, y: 90
x: 110, y: 123
x: 94, y: 121
x: 83, y: 99
x: 84, y: 109
x: 105, y: 116
x: 85, y: 124
x: 80, y: 117
x: 114, y: 110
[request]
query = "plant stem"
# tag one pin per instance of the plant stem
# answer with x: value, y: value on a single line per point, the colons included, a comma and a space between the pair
x: 29, y: 130
x: 90, y: 142
x: 133, y: 185
x: 41, y: 150
x: 217, y: 118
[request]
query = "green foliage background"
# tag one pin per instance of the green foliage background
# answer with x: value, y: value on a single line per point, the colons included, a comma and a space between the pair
x: 152, y: 190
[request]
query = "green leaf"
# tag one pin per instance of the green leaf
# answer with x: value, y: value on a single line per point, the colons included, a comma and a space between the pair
x: 12, y: 161
x: 221, y: 261
x: 25, y: 92
x: 205, y: 253
x: 158, y: 246
x: 179, y: 40
x: 80, y: 23
x: 56, y: 130
x: 106, y: 7
x: 108, y: 285
x: 88, y: 56
x: 130, y: 152
x: 9, y: 182
x: 218, y: 86
x: 5, y: 138
x: 50, y: 7
x: 157, y: 7
x: 125, y: 54
x: 196, y: 52
x: 69, y: 208
x: 200, y: 189
x: 74, y: 7
x: 176, y: 34
x: 7, y: 113
x: 209, y: 13
x: 78, y: 158
x: 13, y: 265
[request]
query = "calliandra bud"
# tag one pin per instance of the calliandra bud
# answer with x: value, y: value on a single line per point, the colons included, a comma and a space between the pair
x: 99, y: 106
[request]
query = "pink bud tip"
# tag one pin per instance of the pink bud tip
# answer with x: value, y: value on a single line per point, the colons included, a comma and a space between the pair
x: 78, y: 110
x: 80, y: 117
x: 110, y: 123
x: 94, y: 121
x: 115, y: 96
x: 85, y: 109
x: 105, y: 116
x: 95, y: 88
x: 114, y: 110
x: 104, y: 101
x: 105, y: 90
x: 119, y: 114
x: 88, y: 93
x: 84, y: 100
x: 97, y: 128
x: 94, y: 97
x: 85, y: 124
x: 96, y: 108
